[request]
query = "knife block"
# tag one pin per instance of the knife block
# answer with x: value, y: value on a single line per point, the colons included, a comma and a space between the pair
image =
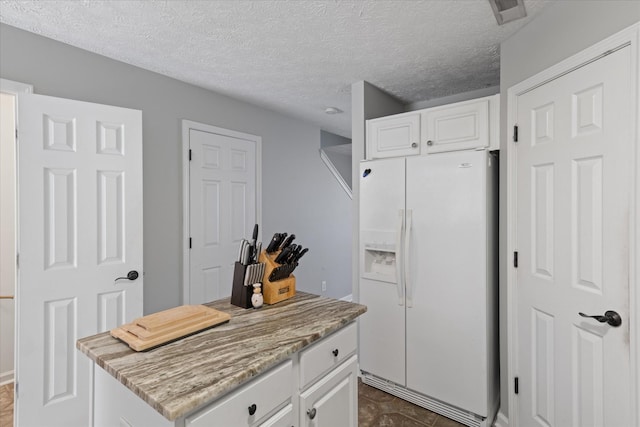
x: 240, y: 294
x: 280, y: 290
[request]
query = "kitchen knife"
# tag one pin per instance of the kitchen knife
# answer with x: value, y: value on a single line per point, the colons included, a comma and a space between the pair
x: 240, y: 250
x: 281, y: 239
x: 258, y: 250
x: 294, y: 255
x: 287, y: 242
x: 282, y: 256
x: 273, y: 244
x: 304, y: 251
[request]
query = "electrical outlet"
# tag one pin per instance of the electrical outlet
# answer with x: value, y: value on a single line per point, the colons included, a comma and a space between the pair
x: 324, y: 286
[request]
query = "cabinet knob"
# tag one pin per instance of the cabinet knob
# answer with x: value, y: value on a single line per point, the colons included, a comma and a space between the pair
x: 414, y: 145
x: 335, y: 352
x: 252, y: 409
x: 311, y: 413
x: 429, y: 143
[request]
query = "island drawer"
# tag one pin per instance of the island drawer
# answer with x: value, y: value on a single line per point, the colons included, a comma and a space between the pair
x: 327, y: 354
x: 250, y: 403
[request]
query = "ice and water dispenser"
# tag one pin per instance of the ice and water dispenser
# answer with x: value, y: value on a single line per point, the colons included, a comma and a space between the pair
x: 379, y: 257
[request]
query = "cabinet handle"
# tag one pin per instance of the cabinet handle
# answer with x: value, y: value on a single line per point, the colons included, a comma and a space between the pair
x: 414, y: 145
x: 335, y: 352
x: 252, y: 409
x: 311, y: 413
x: 429, y: 143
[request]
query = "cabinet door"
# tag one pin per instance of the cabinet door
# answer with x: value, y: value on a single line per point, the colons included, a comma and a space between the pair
x: 393, y: 136
x: 332, y: 401
x: 457, y: 127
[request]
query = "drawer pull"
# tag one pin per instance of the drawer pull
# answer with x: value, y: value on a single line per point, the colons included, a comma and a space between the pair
x: 311, y: 413
x: 252, y: 409
x: 335, y: 352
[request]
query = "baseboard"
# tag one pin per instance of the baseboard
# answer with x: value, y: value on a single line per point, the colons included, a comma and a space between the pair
x: 501, y: 420
x: 6, y: 377
x: 348, y: 298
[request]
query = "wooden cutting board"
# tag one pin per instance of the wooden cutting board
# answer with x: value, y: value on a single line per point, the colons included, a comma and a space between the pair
x: 168, y: 325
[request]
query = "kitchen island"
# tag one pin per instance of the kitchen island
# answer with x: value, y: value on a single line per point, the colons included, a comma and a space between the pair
x: 292, y: 363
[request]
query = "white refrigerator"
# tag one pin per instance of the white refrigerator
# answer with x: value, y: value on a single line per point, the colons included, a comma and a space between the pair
x: 428, y: 275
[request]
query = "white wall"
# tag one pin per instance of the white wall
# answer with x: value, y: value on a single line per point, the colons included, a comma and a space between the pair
x: 299, y: 194
x: 367, y: 102
x: 7, y: 234
x: 559, y: 31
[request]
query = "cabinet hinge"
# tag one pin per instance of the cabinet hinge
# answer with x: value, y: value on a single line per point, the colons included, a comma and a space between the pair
x: 515, y: 133
x: 189, y: 242
x: 515, y: 259
x: 189, y: 154
x: 516, y: 385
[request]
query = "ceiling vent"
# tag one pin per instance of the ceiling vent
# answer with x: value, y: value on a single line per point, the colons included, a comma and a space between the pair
x: 508, y: 10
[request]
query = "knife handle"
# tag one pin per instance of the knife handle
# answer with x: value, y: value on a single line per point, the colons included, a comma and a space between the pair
x: 282, y: 256
x: 288, y: 241
x: 274, y: 243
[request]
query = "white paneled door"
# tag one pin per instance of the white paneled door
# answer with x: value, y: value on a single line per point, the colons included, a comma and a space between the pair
x: 574, y: 177
x: 222, y: 207
x: 79, y: 229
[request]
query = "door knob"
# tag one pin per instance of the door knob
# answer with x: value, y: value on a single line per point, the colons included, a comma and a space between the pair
x: 610, y: 317
x: 132, y: 275
x: 311, y: 413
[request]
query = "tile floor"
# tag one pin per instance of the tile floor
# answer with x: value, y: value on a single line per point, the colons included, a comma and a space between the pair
x: 376, y: 409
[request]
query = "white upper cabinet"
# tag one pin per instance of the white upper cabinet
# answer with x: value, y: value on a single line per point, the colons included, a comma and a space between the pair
x: 461, y: 126
x: 456, y: 127
x: 393, y: 136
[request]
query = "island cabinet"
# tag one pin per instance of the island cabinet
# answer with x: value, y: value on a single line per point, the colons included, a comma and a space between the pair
x: 300, y: 371
x: 459, y: 126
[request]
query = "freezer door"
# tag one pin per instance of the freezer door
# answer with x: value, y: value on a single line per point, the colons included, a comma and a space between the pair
x: 446, y: 278
x: 382, y: 327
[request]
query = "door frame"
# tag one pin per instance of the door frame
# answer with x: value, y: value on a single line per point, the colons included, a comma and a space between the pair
x: 187, y: 125
x: 627, y: 37
x: 15, y: 88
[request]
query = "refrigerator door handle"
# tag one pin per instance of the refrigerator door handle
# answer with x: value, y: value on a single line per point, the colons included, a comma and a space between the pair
x: 399, y: 233
x: 405, y: 258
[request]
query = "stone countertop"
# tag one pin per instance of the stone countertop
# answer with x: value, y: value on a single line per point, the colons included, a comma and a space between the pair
x: 179, y: 377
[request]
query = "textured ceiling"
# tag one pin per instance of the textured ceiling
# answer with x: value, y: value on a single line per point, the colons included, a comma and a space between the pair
x: 296, y: 57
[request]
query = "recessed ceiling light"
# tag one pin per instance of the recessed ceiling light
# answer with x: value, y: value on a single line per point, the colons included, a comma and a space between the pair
x: 332, y: 110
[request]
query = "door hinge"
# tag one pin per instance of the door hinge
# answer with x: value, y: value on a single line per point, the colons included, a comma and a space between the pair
x: 15, y: 390
x: 189, y: 154
x: 189, y: 242
x: 516, y: 385
x: 17, y: 260
x: 515, y: 133
x: 16, y: 134
x: 515, y: 259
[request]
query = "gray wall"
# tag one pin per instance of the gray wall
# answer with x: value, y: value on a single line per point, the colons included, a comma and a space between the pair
x: 559, y: 31
x: 299, y: 193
